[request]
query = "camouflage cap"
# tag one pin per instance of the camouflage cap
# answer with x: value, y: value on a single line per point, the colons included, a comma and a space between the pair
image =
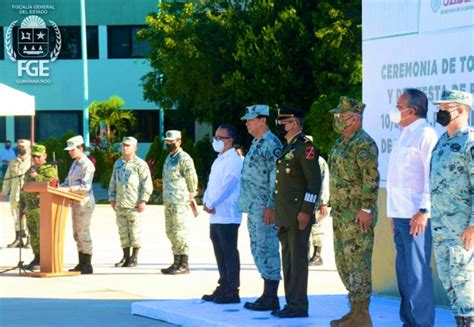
x: 172, y: 135
x: 38, y: 150
x: 22, y: 142
x: 256, y: 110
x: 74, y: 142
x: 348, y: 105
x: 129, y: 140
x: 455, y: 96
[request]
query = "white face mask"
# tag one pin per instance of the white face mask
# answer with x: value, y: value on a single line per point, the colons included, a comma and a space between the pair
x: 218, y: 145
x: 396, y: 115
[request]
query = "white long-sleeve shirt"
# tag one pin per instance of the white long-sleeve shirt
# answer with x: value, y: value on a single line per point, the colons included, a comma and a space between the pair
x: 408, y: 173
x: 223, y: 188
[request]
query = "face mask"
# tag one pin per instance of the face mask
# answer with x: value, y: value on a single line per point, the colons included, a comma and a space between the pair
x: 340, y: 124
x: 171, y: 147
x: 395, y: 115
x: 280, y: 130
x: 218, y: 145
x: 22, y: 151
x: 444, y: 117
x: 8, y: 147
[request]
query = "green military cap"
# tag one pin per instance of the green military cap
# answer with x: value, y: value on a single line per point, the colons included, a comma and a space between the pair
x: 129, y: 140
x: 285, y: 112
x: 256, y: 110
x: 348, y: 105
x: 455, y: 96
x: 38, y: 150
x: 172, y: 135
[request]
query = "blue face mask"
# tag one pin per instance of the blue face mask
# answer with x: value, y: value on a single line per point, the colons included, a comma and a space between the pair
x: 8, y: 147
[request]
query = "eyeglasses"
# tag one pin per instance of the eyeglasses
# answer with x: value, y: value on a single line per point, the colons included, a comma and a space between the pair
x: 218, y: 138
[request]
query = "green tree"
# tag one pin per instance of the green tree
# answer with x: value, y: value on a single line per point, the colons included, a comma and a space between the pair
x: 109, y: 112
x: 215, y: 57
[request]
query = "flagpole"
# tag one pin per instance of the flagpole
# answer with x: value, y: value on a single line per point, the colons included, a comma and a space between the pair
x: 85, y: 70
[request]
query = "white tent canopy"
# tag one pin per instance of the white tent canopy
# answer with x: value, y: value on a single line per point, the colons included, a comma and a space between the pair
x: 15, y: 103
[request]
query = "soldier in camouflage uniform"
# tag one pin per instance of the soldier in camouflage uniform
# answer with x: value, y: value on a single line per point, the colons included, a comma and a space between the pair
x: 12, y: 184
x: 130, y: 188
x: 452, y: 217
x: 258, y: 201
x: 180, y: 186
x: 79, y: 180
x: 354, y: 189
x: 39, y: 171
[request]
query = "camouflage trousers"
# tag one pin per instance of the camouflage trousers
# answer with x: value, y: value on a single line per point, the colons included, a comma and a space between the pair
x: 14, y: 207
x: 81, y: 222
x: 455, y: 268
x: 317, y: 235
x: 129, y: 226
x: 33, y: 222
x: 176, y: 229
x: 264, y: 245
x: 353, y: 249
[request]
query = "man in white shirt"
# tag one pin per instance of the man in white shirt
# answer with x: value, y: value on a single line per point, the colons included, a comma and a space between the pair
x: 220, y: 201
x: 408, y: 204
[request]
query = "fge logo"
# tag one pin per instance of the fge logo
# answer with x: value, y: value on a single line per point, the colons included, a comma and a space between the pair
x: 33, y: 41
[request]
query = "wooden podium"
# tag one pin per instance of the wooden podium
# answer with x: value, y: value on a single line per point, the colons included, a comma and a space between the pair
x: 54, y: 204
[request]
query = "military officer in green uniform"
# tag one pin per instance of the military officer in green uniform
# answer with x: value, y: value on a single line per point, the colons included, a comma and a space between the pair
x: 297, y: 186
x: 130, y: 188
x: 354, y: 188
x: 39, y: 171
x: 180, y: 184
x: 12, y: 184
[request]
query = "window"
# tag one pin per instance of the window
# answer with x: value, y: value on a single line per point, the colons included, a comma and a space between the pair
x: 148, y: 125
x: 3, y: 129
x: 49, y: 124
x: 123, y: 42
x: 71, y: 42
x: 22, y: 127
x: 2, y: 50
x: 56, y: 123
x: 71, y: 46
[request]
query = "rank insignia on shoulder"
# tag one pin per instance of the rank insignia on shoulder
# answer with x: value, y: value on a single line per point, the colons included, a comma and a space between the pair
x: 309, y: 151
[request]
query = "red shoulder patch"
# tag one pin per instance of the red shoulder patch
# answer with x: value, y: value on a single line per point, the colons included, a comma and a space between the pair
x: 309, y: 152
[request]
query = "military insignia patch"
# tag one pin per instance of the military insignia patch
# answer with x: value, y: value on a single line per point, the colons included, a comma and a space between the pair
x: 289, y: 155
x: 363, y: 154
x: 309, y: 152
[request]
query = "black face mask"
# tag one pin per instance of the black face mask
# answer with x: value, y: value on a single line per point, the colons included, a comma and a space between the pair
x: 171, y: 147
x: 280, y: 130
x: 22, y: 151
x: 444, y: 117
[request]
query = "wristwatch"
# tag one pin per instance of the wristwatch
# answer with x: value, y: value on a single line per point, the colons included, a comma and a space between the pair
x: 367, y: 210
x: 423, y: 210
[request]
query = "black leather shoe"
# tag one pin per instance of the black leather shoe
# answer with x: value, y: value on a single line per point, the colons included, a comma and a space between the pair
x: 291, y: 313
x: 226, y: 298
x: 211, y: 297
x: 264, y: 303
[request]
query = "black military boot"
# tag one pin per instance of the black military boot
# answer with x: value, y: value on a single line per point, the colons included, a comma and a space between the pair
x: 269, y: 300
x: 17, y: 242
x: 134, y: 258
x: 211, y: 297
x: 316, y: 259
x: 78, y: 267
x: 227, y: 297
x: 34, y: 264
x: 125, y: 259
x: 86, y: 266
x: 174, y: 265
x: 469, y: 321
x: 183, y: 266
